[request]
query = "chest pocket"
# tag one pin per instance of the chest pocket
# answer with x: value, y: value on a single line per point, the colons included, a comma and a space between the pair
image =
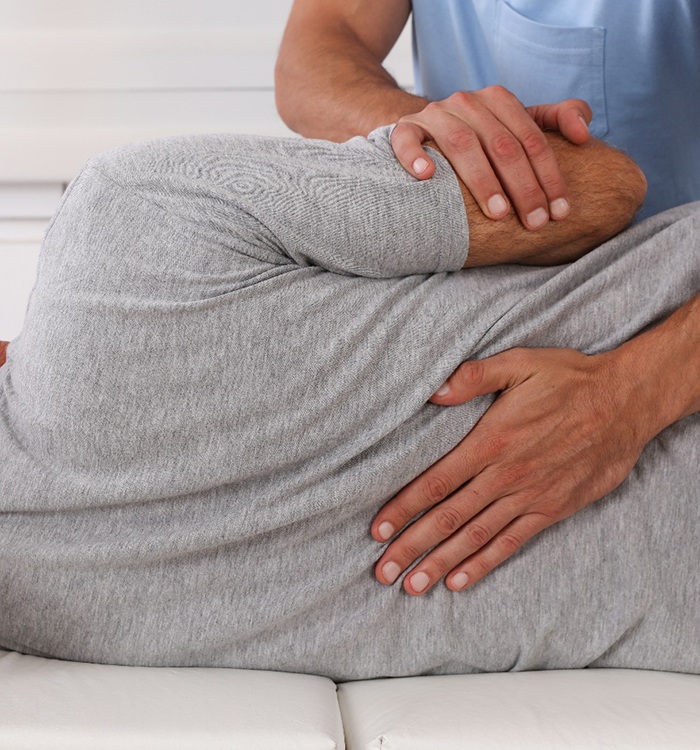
x: 543, y: 64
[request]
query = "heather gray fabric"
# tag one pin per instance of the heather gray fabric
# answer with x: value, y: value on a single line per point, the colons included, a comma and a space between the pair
x: 223, y: 376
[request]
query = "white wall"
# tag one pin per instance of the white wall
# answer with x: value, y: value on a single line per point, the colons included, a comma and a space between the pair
x: 78, y: 77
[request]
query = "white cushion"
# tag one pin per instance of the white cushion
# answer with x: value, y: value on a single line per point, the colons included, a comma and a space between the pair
x: 591, y: 709
x: 45, y: 703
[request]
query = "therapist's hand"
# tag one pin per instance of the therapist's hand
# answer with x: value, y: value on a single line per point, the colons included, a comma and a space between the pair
x: 497, y: 148
x: 566, y: 429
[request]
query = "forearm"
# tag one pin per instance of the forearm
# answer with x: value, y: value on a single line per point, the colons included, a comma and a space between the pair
x: 329, y: 79
x: 606, y: 189
x: 663, y: 365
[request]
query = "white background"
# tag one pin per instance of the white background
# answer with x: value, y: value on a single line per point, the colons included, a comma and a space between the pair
x: 79, y: 77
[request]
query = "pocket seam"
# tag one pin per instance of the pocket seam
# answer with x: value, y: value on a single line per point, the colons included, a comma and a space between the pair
x: 515, y: 31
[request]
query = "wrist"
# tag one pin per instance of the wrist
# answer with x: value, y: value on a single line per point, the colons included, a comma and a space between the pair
x: 386, y: 106
x: 662, y: 369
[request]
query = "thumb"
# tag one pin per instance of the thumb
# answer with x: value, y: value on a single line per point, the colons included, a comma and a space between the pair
x: 477, y: 378
x: 407, y: 140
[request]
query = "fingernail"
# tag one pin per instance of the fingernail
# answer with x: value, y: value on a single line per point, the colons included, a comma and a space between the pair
x: 443, y: 390
x: 420, y: 165
x: 419, y: 582
x: 559, y: 208
x: 391, y: 571
x: 583, y: 122
x: 496, y: 205
x: 385, y: 531
x: 460, y: 580
x: 537, y: 219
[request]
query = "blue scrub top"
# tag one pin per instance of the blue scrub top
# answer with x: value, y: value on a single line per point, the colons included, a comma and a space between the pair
x: 636, y: 62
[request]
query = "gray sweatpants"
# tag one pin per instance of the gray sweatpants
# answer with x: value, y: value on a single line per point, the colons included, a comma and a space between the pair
x: 223, y: 376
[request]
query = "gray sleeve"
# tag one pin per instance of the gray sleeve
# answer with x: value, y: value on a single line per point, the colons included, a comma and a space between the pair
x: 348, y: 208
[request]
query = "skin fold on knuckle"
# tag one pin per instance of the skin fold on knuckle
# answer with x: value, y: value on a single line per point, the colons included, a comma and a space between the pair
x: 476, y: 535
x: 536, y: 146
x: 447, y: 520
x: 470, y: 375
x: 510, y: 542
x: 461, y: 140
x: 405, y: 551
x: 436, y: 565
x: 516, y: 474
x: 483, y: 183
x: 552, y: 185
x: 529, y: 191
x: 505, y: 148
x: 435, y: 488
x: 495, y: 444
x: 479, y: 566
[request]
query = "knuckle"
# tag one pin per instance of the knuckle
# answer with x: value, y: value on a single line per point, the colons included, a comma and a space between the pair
x: 547, y: 513
x: 406, y: 124
x: 482, y: 182
x: 477, y: 535
x: 462, y: 99
x: 409, y: 551
x: 505, y: 147
x: 438, y: 564
x: 499, y: 92
x: 551, y: 183
x: 495, y: 443
x: 471, y: 374
x: 481, y: 565
x: 435, y: 488
x: 447, y: 520
x: 515, y: 474
x: 433, y: 108
x: 398, y: 514
x: 462, y: 140
x: 535, y: 144
x: 510, y: 542
x: 531, y: 192
x: 406, y: 136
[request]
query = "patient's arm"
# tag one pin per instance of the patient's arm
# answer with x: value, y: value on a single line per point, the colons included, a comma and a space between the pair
x: 606, y: 190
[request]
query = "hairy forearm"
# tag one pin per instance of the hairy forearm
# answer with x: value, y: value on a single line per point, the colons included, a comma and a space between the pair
x: 329, y: 84
x: 606, y: 189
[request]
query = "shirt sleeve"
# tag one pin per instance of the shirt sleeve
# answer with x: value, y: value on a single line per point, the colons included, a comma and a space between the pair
x: 347, y: 208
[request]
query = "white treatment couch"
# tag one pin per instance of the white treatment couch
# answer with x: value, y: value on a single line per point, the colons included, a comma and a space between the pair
x: 47, y: 704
